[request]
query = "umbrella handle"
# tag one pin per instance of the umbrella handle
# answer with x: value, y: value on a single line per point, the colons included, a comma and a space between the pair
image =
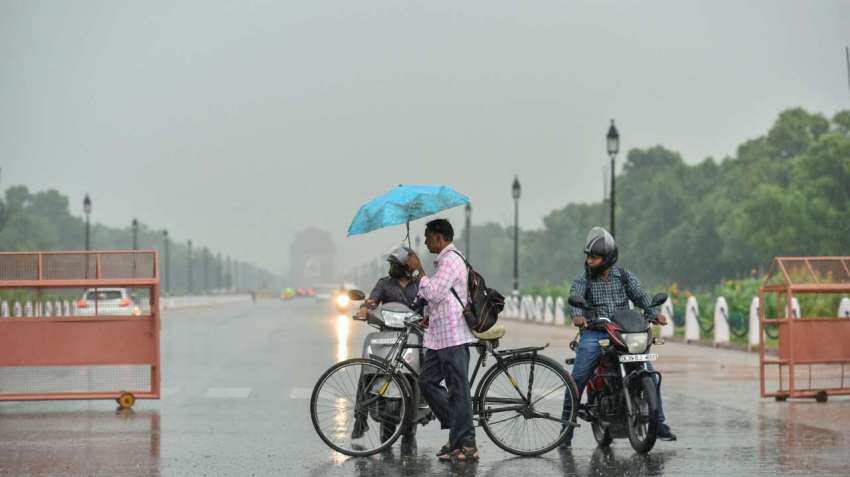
x: 408, y: 235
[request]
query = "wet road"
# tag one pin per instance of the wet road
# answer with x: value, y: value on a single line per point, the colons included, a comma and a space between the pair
x: 237, y: 380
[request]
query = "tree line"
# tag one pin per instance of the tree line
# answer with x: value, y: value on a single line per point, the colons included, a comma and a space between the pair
x: 42, y: 221
x: 786, y: 192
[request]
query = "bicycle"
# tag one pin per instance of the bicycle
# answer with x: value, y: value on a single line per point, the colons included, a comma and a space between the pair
x: 519, y: 401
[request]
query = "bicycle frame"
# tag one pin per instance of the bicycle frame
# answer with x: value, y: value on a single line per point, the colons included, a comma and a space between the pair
x: 394, y: 362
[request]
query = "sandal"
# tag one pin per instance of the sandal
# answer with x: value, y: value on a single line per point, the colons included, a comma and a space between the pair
x: 445, y: 452
x: 466, y: 453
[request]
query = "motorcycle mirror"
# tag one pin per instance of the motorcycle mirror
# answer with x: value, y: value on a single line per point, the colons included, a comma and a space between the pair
x: 356, y: 295
x: 659, y: 299
x: 577, y: 301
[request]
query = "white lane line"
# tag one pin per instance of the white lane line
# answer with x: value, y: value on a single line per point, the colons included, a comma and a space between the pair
x: 228, y: 393
x: 300, y: 393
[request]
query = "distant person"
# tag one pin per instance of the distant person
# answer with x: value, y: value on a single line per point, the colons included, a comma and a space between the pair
x: 610, y: 288
x: 253, y: 296
x: 446, y: 340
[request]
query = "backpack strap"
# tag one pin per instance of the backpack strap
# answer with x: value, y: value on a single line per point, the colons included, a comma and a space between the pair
x: 458, y: 297
x: 467, y: 271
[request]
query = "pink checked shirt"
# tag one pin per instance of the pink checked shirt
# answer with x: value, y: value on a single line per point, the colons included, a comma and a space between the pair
x: 445, y: 314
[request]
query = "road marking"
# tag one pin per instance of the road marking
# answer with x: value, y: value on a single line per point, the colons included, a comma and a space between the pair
x: 300, y: 393
x: 228, y: 393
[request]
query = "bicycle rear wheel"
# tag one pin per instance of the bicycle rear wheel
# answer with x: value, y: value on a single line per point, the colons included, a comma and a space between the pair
x: 521, y: 404
x: 353, y: 401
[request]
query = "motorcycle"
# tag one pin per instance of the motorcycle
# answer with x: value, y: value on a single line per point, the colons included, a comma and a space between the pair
x: 623, y: 394
x: 389, y: 320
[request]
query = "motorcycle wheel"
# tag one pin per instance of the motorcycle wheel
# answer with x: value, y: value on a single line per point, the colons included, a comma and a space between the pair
x: 643, y: 425
x: 600, y: 432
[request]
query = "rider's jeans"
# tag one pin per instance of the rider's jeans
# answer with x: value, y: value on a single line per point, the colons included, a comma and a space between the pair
x: 587, y: 356
x: 453, y: 407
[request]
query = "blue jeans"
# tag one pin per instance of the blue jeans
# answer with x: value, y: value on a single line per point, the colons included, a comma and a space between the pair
x: 587, y: 358
x: 452, y: 406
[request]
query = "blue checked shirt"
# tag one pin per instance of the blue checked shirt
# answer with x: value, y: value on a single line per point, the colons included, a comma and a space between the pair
x: 612, y: 294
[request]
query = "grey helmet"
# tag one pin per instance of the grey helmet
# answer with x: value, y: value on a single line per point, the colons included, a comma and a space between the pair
x: 600, y: 243
x: 398, y: 262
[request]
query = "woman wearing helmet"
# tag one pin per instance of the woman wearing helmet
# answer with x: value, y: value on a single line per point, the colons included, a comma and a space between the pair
x: 608, y: 288
x: 398, y: 286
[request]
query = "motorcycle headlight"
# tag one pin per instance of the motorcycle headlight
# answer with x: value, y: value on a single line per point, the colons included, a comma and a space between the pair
x: 393, y: 319
x: 342, y: 300
x: 636, y: 342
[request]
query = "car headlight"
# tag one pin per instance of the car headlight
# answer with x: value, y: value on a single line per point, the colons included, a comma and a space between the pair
x: 393, y: 319
x: 636, y: 342
x: 342, y: 300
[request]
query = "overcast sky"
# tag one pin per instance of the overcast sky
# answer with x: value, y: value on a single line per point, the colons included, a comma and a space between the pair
x: 238, y: 123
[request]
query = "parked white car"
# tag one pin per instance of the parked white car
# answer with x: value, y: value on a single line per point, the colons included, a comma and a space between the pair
x: 107, y: 301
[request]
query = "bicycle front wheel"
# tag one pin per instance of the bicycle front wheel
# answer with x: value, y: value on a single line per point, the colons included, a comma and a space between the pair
x: 521, y: 405
x: 354, y: 405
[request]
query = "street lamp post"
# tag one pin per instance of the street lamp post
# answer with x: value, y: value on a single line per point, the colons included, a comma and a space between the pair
x: 135, y: 225
x: 135, y: 234
x: 189, y: 277
x: 206, y: 254
x: 516, y: 191
x: 167, y: 253
x: 468, y: 229
x: 613, y: 143
x: 87, y: 210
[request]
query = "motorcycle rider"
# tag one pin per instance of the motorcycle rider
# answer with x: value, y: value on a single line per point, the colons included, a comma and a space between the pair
x: 398, y: 286
x: 608, y: 288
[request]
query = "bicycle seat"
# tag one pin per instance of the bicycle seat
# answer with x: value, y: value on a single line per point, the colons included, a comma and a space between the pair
x: 495, y: 332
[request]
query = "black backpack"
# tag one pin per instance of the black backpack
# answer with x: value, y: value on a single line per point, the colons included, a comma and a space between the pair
x: 484, y: 304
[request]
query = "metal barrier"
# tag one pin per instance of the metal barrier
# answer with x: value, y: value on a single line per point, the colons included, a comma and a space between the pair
x: 812, y: 348
x: 103, y: 345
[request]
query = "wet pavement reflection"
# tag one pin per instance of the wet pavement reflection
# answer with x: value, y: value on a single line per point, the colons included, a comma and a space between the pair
x: 80, y: 442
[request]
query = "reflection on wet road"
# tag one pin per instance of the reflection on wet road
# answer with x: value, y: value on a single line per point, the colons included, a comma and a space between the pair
x: 237, y: 382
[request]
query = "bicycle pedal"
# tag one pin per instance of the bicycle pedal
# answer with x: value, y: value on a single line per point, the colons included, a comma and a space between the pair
x: 571, y: 361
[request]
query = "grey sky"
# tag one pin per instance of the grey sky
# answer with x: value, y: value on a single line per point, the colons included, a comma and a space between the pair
x: 236, y: 125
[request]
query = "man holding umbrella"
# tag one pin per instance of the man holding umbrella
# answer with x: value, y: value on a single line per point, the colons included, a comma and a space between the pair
x: 447, y: 336
x: 446, y: 339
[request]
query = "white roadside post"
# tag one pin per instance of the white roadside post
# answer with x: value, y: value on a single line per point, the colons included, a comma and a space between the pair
x: 560, y: 316
x: 691, y: 317
x: 668, y: 330
x: 795, y: 308
x: 548, y: 311
x: 753, y: 332
x: 538, y: 309
x: 844, y: 308
x: 721, y: 322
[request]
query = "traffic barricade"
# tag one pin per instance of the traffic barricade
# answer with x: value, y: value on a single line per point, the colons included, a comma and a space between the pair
x: 103, y: 345
x: 812, y: 353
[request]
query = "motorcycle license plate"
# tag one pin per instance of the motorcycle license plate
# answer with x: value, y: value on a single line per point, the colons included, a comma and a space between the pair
x: 632, y: 358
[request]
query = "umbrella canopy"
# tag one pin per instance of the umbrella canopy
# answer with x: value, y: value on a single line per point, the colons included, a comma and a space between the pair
x: 403, y: 204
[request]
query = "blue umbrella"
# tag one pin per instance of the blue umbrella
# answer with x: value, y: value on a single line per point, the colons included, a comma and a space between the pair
x: 403, y: 204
